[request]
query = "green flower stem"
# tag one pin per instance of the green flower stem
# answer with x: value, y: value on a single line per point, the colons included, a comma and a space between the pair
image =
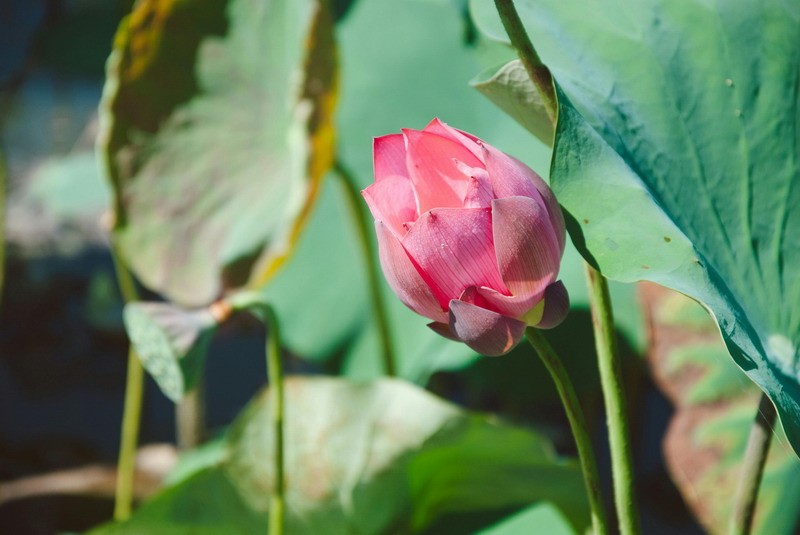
x: 361, y: 221
x: 603, y: 321
x: 755, y: 457
x: 537, y: 71
x: 254, y: 302
x: 132, y: 411
x: 247, y: 300
x: 610, y: 366
x: 129, y: 439
x: 578, y: 424
x: 275, y: 373
x: 190, y: 421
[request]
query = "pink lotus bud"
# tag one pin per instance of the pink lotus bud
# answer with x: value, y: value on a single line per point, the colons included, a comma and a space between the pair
x: 469, y: 236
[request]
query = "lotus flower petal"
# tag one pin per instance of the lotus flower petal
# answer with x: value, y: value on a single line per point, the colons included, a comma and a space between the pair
x: 528, y: 253
x: 434, y: 175
x: 467, y: 140
x: 487, y: 332
x: 403, y: 277
x: 556, y: 306
x: 443, y: 329
x: 389, y: 156
x: 479, y: 193
x: 453, y: 249
x: 514, y: 306
x: 510, y: 177
x: 392, y: 201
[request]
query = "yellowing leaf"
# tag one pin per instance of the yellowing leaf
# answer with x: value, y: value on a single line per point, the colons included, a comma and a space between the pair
x: 216, y: 130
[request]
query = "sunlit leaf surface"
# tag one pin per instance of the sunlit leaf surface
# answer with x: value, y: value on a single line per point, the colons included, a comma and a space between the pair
x: 216, y: 129
x: 714, y: 404
x: 676, y: 155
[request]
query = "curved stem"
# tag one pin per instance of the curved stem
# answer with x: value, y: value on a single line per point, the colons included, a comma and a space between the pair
x: 602, y: 315
x: 360, y: 219
x: 755, y: 457
x: 275, y: 374
x: 578, y: 424
x: 129, y: 438
x: 610, y: 366
x: 254, y: 302
x: 132, y: 411
x: 537, y: 71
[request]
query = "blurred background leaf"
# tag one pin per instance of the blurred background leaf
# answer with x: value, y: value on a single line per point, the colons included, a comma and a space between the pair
x: 714, y: 402
x: 216, y: 130
x: 70, y: 187
x: 539, y: 518
x: 171, y: 343
x: 361, y: 457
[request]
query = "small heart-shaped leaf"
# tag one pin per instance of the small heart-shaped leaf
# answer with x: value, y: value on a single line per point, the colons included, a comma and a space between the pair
x: 510, y: 88
x: 171, y: 343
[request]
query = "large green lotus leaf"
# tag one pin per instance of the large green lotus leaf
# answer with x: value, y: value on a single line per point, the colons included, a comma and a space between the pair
x: 676, y: 156
x: 381, y: 457
x: 714, y: 405
x: 441, y: 485
x: 216, y: 129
